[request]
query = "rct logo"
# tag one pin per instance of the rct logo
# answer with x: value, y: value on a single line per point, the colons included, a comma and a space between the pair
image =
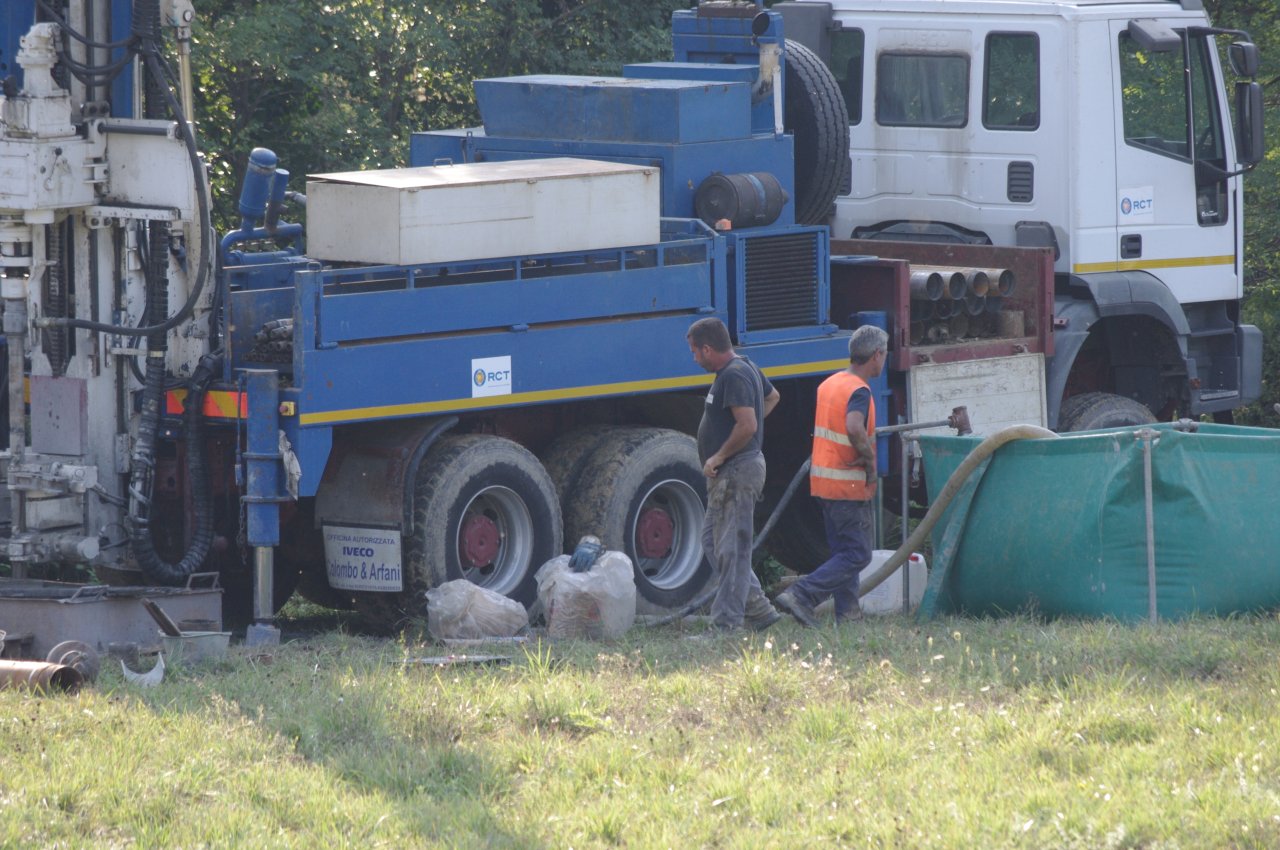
x: 1138, y: 204
x: 490, y: 376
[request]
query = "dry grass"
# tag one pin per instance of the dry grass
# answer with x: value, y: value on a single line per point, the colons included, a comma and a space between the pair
x: 960, y: 733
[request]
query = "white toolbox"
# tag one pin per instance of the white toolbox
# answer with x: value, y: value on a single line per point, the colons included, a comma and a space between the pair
x: 483, y: 210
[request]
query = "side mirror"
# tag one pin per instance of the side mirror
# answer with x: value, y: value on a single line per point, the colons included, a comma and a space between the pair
x: 1243, y: 56
x: 1154, y: 36
x: 1250, y: 146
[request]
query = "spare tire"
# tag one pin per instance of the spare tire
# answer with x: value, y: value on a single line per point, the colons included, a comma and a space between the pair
x: 815, y: 114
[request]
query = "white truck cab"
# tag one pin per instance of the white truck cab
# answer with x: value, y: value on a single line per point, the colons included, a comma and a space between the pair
x: 1101, y: 129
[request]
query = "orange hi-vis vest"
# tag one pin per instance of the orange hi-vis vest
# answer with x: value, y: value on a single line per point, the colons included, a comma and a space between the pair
x: 830, y: 476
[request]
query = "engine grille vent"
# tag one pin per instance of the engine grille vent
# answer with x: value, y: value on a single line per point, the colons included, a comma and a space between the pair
x: 782, y: 281
x: 1022, y: 182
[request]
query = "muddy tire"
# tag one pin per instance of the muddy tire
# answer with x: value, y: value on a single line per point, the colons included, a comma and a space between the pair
x: 484, y: 510
x: 1091, y: 411
x: 814, y: 111
x: 642, y: 492
x: 568, y: 455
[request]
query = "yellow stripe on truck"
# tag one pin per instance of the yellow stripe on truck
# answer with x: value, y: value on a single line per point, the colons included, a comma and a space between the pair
x: 1142, y: 264
x: 357, y: 414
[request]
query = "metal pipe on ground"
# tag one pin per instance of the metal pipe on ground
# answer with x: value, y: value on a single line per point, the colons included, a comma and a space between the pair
x: 40, y: 676
x: 975, y: 305
x: 958, y: 326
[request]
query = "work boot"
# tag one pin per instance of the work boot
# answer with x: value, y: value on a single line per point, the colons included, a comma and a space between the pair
x: 797, y: 609
x: 760, y: 614
x: 853, y: 615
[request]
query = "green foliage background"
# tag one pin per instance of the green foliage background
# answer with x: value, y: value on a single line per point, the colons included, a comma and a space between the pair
x: 1261, y: 18
x: 341, y: 84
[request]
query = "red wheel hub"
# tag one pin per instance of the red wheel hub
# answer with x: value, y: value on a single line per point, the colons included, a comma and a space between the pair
x: 655, y: 533
x: 480, y: 541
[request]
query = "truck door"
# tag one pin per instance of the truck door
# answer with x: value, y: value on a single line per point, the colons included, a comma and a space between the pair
x: 1173, y: 219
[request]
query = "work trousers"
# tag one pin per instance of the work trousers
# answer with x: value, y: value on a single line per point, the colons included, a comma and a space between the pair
x: 726, y: 537
x: 849, y: 528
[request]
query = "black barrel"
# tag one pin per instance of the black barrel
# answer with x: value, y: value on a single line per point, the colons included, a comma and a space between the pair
x: 745, y: 200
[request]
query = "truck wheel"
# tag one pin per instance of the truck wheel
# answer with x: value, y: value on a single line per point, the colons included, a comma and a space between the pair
x: 799, y: 540
x: 815, y: 113
x: 485, y: 510
x: 642, y: 492
x: 1091, y: 411
x: 568, y: 455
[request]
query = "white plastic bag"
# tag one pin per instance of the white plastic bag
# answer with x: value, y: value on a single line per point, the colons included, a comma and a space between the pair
x: 600, y: 603
x: 460, y: 609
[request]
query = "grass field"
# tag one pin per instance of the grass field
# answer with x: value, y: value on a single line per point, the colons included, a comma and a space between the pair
x: 952, y: 734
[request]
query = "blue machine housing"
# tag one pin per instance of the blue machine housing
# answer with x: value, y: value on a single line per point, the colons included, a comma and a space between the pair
x: 705, y: 113
x: 689, y: 128
x: 373, y: 343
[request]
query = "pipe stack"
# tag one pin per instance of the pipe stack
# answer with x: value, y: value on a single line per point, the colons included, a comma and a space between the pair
x: 950, y: 303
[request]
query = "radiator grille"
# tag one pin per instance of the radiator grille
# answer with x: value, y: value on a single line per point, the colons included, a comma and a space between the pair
x: 782, y: 281
x: 1022, y: 182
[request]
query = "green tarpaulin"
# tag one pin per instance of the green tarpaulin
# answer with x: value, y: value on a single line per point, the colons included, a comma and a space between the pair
x: 1058, y: 526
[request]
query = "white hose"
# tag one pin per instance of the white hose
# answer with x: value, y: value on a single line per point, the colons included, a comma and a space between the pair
x: 962, y: 472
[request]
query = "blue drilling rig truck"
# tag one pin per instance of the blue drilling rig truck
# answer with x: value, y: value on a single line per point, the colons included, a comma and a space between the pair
x: 455, y: 369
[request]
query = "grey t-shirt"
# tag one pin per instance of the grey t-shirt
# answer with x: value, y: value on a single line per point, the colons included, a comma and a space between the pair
x: 738, y: 384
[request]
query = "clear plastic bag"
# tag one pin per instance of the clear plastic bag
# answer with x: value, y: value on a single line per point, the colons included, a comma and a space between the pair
x: 460, y: 609
x: 599, y: 603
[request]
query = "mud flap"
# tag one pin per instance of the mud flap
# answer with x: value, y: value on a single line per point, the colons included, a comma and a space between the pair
x: 369, y: 480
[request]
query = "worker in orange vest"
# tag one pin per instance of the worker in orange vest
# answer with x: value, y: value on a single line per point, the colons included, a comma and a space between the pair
x: 842, y: 476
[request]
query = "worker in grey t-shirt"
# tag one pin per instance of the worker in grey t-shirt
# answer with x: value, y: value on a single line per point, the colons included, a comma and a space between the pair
x: 730, y: 437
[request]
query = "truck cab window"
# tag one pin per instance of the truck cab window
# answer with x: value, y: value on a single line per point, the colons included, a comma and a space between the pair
x: 847, y: 56
x: 1011, y: 85
x: 1157, y: 117
x: 1210, y: 146
x: 1155, y: 99
x: 922, y: 89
